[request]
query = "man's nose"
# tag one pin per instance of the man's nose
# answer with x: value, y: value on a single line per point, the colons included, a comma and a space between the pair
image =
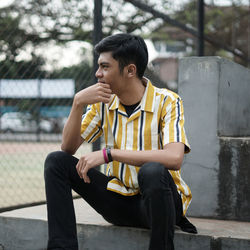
x: 98, y: 73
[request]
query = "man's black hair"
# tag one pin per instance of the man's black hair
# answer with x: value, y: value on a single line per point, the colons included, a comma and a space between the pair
x: 126, y: 49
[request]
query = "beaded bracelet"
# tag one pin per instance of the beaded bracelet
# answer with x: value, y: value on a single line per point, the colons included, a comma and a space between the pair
x: 104, y: 152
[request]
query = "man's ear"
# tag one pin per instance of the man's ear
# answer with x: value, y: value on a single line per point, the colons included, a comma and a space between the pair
x: 131, y: 70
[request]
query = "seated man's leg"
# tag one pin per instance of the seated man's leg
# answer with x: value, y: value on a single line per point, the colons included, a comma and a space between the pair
x: 61, y: 215
x: 115, y: 208
x: 60, y: 177
x: 162, y: 202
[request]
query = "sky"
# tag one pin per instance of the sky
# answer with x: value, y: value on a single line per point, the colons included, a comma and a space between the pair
x: 4, y: 3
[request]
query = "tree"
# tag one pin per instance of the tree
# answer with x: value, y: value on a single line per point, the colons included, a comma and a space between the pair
x: 29, y: 24
x: 218, y: 35
x: 226, y: 24
x: 12, y: 40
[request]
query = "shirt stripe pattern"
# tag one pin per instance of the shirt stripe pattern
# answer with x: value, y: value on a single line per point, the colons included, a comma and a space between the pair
x: 157, y: 121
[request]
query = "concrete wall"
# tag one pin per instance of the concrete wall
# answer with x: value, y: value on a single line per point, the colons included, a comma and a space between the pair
x: 216, y: 103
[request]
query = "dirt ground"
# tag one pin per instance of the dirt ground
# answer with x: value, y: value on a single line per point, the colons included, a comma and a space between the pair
x: 21, y: 171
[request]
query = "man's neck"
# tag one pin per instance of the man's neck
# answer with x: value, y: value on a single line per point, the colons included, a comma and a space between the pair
x: 134, y: 92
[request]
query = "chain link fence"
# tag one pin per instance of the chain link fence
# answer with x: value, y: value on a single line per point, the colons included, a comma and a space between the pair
x: 33, y: 113
x: 31, y: 126
x: 38, y: 79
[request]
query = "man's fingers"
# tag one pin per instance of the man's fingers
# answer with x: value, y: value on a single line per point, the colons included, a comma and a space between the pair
x: 105, y: 88
x: 85, y: 174
x: 103, y: 94
x: 77, y: 168
x: 80, y: 167
x: 107, y: 95
x: 105, y: 100
x: 82, y: 170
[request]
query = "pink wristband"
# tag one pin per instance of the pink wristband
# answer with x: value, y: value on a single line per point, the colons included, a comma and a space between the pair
x: 105, y: 156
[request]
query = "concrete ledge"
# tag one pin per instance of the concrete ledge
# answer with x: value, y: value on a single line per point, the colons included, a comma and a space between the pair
x: 26, y: 229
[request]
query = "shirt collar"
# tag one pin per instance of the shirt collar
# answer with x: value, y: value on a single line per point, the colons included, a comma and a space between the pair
x: 147, y: 101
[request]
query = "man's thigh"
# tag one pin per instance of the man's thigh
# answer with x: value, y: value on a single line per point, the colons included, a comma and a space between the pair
x: 115, y: 208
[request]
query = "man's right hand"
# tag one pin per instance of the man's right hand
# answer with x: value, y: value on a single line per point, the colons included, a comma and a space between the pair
x: 71, y: 139
x: 99, y: 92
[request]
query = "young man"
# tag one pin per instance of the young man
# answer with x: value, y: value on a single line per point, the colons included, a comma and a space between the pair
x: 143, y: 129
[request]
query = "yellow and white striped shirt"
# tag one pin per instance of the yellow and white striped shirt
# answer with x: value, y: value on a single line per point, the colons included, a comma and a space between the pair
x: 157, y: 121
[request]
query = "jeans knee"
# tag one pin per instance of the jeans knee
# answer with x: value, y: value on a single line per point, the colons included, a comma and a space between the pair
x: 51, y: 161
x: 150, y: 176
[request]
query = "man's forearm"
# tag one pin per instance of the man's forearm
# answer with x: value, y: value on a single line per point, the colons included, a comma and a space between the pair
x: 71, y: 137
x: 171, y: 157
x: 99, y: 92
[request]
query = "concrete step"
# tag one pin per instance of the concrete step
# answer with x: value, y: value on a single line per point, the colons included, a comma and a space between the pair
x: 26, y: 229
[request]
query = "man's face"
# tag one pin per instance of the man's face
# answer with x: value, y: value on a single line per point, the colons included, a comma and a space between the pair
x: 109, y: 72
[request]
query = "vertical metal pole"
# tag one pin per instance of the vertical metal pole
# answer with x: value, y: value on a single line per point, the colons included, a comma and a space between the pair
x: 2, y: 101
x: 248, y: 35
x: 97, y: 32
x: 37, y: 112
x: 200, y: 28
x: 97, y: 36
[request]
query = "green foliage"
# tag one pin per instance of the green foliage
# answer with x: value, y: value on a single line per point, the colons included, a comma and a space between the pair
x: 25, y: 25
x: 10, y: 69
x: 224, y: 24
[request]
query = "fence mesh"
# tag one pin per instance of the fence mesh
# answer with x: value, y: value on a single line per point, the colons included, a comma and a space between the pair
x: 33, y: 113
x: 43, y: 64
x: 38, y: 79
x: 21, y: 165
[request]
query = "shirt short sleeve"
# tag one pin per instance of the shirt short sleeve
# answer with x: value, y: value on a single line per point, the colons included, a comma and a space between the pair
x: 173, y: 122
x: 91, y: 127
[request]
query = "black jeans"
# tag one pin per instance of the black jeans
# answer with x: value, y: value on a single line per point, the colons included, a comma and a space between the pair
x: 157, y: 207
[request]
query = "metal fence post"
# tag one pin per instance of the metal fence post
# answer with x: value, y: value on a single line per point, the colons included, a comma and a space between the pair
x: 200, y: 28
x: 97, y: 36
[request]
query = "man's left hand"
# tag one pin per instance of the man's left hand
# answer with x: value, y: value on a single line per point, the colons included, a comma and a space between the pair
x: 87, y: 162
